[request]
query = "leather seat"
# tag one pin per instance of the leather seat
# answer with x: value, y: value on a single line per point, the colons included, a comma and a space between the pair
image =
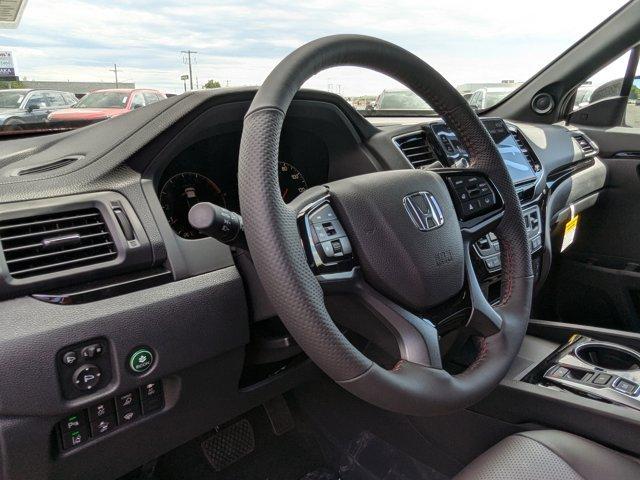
x: 550, y: 455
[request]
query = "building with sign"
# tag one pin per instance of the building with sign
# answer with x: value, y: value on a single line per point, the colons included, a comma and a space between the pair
x: 7, y: 67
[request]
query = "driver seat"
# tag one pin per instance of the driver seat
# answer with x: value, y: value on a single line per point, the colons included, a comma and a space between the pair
x: 550, y: 455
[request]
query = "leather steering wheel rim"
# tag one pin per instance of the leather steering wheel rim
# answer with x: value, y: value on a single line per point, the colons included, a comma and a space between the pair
x: 274, y: 240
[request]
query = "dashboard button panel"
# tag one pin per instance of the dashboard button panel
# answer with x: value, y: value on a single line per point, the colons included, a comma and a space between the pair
x: 109, y: 415
x: 488, y: 248
x: 83, y: 368
x: 472, y: 195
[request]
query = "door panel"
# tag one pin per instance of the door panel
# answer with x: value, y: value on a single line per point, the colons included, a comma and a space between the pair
x: 596, y: 281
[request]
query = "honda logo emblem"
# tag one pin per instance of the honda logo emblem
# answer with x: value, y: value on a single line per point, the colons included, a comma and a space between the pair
x: 424, y: 210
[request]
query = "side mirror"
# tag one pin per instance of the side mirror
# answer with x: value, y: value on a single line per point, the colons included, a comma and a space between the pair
x: 136, y: 106
x: 36, y: 106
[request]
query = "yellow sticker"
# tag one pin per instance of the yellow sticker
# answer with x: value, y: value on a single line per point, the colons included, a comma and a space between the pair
x: 569, y: 233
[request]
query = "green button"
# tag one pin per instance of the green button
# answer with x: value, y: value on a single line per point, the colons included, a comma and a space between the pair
x: 141, y: 360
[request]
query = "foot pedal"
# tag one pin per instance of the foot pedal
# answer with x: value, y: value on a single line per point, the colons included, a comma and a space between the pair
x: 229, y: 444
x: 279, y: 415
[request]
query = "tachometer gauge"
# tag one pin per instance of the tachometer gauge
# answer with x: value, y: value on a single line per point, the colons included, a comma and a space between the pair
x: 183, y: 191
x: 292, y: 183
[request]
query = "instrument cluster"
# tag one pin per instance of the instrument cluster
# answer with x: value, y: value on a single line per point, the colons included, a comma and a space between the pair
x: 207, y: 172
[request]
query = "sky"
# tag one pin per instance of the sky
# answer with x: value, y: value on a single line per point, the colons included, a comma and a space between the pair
x: 239, y: 42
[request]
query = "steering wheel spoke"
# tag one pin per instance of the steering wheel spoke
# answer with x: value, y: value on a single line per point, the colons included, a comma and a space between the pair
x: 416, y: 337
x: 484, y: 319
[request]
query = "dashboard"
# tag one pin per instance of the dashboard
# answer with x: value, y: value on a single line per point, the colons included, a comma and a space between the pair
x: 521, y: 165
x: 134, y: 280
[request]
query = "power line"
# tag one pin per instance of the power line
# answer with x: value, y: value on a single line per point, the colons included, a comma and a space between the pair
x: 188, y: 53
x: 115, y: 70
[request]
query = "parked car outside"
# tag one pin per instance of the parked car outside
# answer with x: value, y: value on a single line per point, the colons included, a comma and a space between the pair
x: 400, y: 100
x: 488, y: 97
x: 102, y: 104
x: 20, y: 108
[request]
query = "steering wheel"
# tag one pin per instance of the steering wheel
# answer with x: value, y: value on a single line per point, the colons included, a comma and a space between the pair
x: 405, y: 270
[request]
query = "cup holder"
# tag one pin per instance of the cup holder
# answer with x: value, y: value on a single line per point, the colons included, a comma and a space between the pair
x: 610, y: 357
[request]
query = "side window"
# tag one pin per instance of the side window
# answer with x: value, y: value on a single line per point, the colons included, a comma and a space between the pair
x: 632, y: 115
x: 69, y: 98
x: 36, y: 101
x: 138, y: 101
x: 607, y: 82
x: 150, y: 97
x: 54, y: 99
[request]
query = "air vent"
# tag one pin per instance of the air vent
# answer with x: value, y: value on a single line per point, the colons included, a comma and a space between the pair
x: 584, y: 144
x: 416, y: 149
x: 526, y: 150
x: 47, y: 167
x: 46, y: 244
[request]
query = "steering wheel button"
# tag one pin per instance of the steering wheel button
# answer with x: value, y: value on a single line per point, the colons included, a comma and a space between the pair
x: 323, y: 214
x: 487, y: 201
x: 327, y: 249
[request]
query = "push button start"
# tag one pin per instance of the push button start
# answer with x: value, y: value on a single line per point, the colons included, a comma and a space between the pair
x: 141, y: 360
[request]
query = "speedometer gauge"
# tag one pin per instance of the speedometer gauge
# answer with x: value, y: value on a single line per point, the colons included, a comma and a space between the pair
x: 292, y: 183
x: 183, y: 191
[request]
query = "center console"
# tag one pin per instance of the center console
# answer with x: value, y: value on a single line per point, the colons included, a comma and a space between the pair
x: 602, y: 370
x: 575, y: 378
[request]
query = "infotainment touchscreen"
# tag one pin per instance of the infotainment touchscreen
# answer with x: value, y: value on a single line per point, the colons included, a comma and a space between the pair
x: 517, y: 164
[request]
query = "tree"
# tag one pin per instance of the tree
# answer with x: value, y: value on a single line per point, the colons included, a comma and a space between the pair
x: 212, y: 84
x: 12, y: 84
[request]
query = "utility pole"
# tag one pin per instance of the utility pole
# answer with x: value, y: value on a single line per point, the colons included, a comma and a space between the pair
x: 188, y: 53
x: 115, y: 70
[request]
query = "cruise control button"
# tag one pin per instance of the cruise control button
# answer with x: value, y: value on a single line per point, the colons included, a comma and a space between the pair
x: 323, y: 214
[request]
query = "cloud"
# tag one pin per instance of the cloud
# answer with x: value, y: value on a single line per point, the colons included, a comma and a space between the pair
x: 241, y: 41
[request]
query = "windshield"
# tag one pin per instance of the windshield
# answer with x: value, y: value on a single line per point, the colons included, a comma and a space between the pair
x: 11, y: 99
x: 103, y: 100
x: 169, y: 47
x: 403, y: 100
x: 494, y: 97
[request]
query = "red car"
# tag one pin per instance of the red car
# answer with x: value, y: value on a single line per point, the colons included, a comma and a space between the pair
x: 102, y: 104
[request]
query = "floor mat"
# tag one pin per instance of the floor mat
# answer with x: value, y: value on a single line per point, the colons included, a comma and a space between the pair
x: 289, y: 456
x: 370, y: 458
